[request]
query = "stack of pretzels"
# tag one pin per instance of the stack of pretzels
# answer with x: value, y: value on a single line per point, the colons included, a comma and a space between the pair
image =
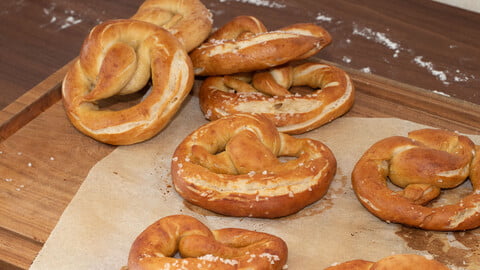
x: 166, y: 43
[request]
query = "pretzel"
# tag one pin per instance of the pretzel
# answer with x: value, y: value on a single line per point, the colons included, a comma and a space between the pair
x: 394, y: 262
x: 118, y: 58
x: 423, y: 163
x: 188, y: 20
x: 202, y: 248
x: 245, y: 45
x: 230, y: 166
x: 267, y: 92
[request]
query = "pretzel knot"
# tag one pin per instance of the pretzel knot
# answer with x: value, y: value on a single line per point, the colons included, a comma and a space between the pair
x: 394, y: 262
x: 231, y: 166
x: 245, y: 45
x: 118, y: 58
x: 188, y: 20
x: 424, y: 163
x: 271, y: 93
x: 201, y: 248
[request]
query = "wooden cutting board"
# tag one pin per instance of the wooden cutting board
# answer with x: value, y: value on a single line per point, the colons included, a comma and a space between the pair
x: 44, y: 159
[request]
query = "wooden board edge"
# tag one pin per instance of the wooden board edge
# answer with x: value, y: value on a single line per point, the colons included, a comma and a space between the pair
x: 32, y: 103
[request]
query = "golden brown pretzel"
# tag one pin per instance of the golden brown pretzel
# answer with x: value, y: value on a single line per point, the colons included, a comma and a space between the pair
x: 394, y: 262
x: 201, y: 248
x: 267, y: 92
x: 231, y: 166
x: 244, y: 45
x: 424, y: 163
x: 188, y: 20
x: 120, y: 57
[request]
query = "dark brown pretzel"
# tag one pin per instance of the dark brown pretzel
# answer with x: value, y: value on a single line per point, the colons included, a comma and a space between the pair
x: 424, y: 163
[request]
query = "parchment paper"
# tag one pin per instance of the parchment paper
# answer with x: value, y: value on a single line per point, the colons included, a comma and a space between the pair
x: 131, y: 188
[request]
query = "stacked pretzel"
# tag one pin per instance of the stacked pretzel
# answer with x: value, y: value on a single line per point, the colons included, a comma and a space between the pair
x: 251, y: 70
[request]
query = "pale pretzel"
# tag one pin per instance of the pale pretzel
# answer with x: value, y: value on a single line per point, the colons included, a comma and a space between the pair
x: 267, y: 92
x: 231, y: 166
x: 188, y: 20
x: 201, y: 248
x: 424, y: 163
x: 244, y: 45
x: 394, y: 262
x: 120, y: 57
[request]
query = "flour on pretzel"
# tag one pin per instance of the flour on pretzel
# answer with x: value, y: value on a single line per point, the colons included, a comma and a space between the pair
x: 393, y: 262
x: 244, y: 45
x: 188, y: 20
x: 120, y: 57
x: 231, y: 166
x: 202, y: 248
x: 423, y: 163
x: 267, y: 92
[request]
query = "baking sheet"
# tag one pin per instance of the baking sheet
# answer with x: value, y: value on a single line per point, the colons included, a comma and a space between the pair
x: 131, y: 188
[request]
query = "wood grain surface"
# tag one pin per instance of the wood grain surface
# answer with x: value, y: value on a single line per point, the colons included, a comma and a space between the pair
x: 404, y: 58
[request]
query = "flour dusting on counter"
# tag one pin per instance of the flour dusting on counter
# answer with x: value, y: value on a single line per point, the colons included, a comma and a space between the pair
x: 61, y: 19
x: 378, y: 37
x: 440, y: 93
x: 263, y: 3
x: 324, y: 18
x: 430, y: 67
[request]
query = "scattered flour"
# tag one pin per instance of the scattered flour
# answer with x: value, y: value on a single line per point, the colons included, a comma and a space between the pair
x: 61, y: 19
x: 366, y: 70
x: 441, y: 93
x: 263, y: 3
x: 346, y: 59
x: 382, y: 38
x: 441, y: 75
x: 323, y: 18
x: 378, y: 37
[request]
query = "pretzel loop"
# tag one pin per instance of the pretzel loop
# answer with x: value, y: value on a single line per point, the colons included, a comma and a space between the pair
x: 120, y: 57
x: 188, y: 20
x: 201, y: 248
x: 269, y: 93
x: 244, y: 45
x: 231, y: 166
x: 426, y: 162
